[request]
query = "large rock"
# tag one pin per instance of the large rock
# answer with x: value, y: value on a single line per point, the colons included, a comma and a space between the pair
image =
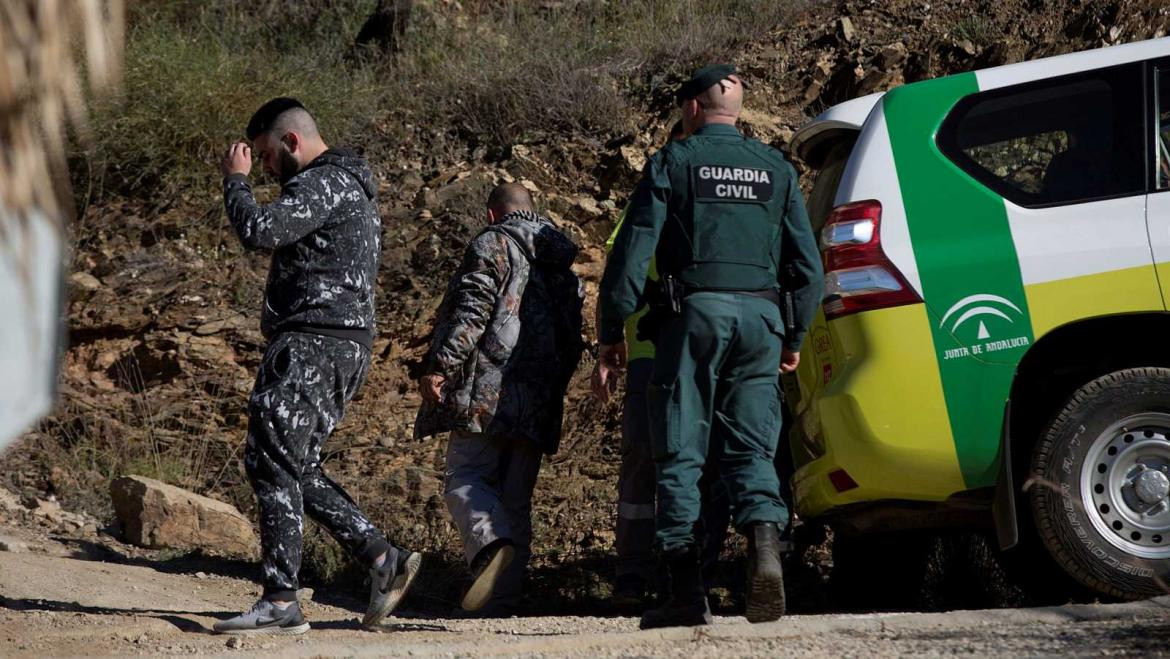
x: 156, y: 515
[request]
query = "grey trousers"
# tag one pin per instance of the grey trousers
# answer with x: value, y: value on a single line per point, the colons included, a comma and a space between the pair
x: 634, y: 539
x: 488, y: 491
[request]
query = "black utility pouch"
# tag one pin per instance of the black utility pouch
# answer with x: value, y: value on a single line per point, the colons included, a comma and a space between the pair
x: 789, y: 309
x: 663, y: 299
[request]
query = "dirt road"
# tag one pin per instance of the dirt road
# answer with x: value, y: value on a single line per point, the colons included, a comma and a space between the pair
x: 55, y: 604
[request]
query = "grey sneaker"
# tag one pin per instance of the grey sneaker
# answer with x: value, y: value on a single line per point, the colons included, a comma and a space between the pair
x: 486, y: 569
x: 389, y: 583
x: 265, y: 618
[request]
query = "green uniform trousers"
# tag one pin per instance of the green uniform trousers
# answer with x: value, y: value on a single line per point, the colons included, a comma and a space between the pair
x: 715, y: 380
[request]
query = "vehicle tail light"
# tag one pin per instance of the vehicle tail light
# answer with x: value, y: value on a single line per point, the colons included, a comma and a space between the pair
x: 858, y: 274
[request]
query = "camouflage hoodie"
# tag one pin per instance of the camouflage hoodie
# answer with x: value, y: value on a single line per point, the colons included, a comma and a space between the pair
x: 508, y: 335
x: 324, y: 231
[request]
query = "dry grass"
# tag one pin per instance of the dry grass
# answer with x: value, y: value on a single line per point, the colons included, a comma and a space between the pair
x: 184, y: 443
x: 494, y: 73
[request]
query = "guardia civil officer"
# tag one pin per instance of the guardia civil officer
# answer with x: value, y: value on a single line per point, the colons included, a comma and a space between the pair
x: 723, y: 215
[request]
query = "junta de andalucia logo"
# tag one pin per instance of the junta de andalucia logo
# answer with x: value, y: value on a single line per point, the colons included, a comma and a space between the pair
x: 983, y: 323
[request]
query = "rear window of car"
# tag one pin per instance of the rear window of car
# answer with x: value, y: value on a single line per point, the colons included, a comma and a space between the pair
x: 1066, y: 140
x: 824, y: 191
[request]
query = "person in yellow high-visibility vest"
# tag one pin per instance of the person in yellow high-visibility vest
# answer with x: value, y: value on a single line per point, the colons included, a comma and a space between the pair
x: 634, y: 541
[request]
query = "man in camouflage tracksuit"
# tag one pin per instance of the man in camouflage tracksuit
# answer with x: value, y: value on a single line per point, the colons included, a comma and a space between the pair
x: 507, y: 340
x: 318, y: 316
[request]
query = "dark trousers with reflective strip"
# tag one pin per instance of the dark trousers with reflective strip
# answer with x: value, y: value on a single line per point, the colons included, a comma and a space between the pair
x: 304, y: 383
x: 634, y: 539
x: 715, y: 382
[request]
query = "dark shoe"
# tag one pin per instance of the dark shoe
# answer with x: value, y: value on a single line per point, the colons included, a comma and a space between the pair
x: 389, y: 583
x: 489, y: 564
x: 265, y: 618
x: 765, y: 577
x: 686, y: 605
x: 630, y: 592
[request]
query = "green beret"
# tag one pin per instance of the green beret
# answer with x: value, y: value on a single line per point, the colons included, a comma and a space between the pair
x: 704, y: 79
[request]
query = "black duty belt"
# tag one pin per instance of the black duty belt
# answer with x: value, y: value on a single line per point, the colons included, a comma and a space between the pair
x: 669, y: 293
x: 770, y: 294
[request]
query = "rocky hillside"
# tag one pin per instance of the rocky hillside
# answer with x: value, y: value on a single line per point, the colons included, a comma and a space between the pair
x: 163, y: 314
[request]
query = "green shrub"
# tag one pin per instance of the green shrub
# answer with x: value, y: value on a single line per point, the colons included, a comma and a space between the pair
x: 496, y: 72
x: 194, y: 74
x: 976, y: 29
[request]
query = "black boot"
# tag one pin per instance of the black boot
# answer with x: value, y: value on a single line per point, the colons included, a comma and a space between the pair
x: 686, y: 605
x: 765, y: 586
x: 630, y: 593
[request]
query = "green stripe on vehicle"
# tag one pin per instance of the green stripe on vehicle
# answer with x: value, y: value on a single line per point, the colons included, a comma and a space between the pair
x: 970, y: 272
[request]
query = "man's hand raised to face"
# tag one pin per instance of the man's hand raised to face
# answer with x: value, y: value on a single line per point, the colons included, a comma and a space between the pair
x: 237, y: 160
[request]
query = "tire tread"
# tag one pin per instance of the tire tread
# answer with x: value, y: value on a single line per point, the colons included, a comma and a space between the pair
x: 1045, y: 504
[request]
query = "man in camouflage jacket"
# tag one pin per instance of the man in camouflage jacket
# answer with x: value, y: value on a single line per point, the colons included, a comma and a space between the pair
x: 506, y: 343
x: 318, y: 317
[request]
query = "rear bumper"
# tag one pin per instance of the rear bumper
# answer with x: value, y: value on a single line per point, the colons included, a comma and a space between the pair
x: 881, y: 416
x: 970, y: 510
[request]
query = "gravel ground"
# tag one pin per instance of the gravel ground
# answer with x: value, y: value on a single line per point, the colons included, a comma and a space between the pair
x: 52, y: 604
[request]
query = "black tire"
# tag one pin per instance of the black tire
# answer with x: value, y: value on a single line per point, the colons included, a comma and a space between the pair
x: 1030, y: 567
x: 1062, y: 519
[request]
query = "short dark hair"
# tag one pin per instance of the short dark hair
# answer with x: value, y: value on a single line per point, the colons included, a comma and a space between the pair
x: 508, y: 197
x: 676, y: 129
x: 266, y: 116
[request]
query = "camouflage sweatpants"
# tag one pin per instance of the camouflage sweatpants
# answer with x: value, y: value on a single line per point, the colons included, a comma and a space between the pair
x: 304, y: 383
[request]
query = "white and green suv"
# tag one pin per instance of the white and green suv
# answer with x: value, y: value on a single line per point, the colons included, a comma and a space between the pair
x: 995, y: 343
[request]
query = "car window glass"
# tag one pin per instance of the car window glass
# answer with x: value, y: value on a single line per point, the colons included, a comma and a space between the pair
x: 1163, y: 129
x: 824, y: 191
x: 1070, y: 139
x: 1023, y: 161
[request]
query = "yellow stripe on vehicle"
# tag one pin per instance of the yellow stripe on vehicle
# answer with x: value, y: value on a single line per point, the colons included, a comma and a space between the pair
x: 1060, y: 302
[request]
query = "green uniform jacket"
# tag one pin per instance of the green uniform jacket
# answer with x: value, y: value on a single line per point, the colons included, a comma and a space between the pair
x: 721, y: 212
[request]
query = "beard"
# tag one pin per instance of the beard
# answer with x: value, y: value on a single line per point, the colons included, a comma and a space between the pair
x: 286, y: 166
